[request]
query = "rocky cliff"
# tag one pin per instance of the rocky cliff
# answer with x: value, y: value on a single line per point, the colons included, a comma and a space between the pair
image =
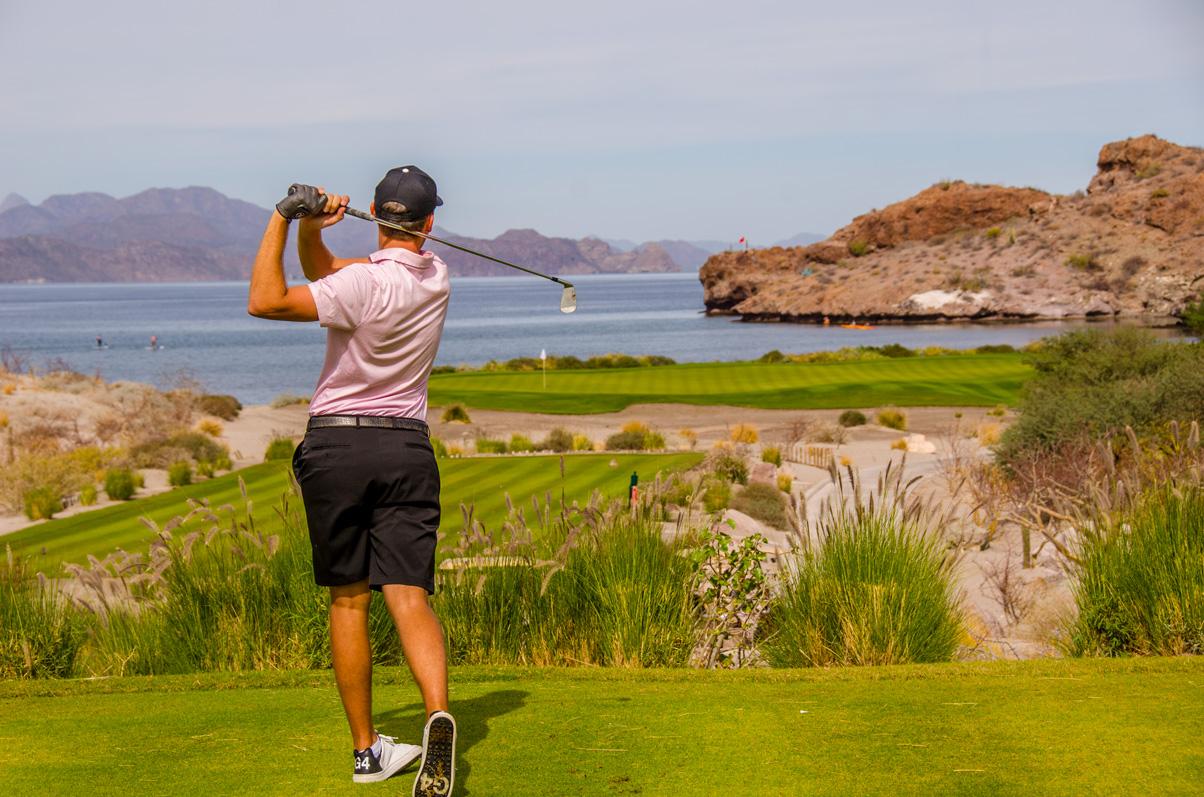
x: 1132, y: 244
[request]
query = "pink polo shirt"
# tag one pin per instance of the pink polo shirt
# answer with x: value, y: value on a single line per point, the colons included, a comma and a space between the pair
x: 383, y: 320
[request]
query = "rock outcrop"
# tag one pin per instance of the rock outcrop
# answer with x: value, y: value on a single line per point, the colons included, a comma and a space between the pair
x: 1132, y: 244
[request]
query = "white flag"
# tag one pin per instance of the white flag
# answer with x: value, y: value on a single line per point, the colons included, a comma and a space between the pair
x: 543, y: 354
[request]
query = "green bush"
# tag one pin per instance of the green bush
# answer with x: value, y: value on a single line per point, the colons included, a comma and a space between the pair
x: 120, y: 484
x: 1193, y: 316
x: 994, y: 233
x: 222, y: 462
x: 204, y: 469
x: 764, y: 502
x: 455, y: 413
x: 858, y: 247
x: 88, y: 494
x: 730, y: 467
x: 179, y: 474
x: 1140, y: 587
x: 996, y: 348
x: 771, y: 455
x: 488, y: 446
x: 287, y: 400
x: 626, y: 441
x: 653, y: 441
x: 521, y: 444
x: 881, y: 589
x: 852, y: 418
x: 1088, y: 383
x: 558, y: 440
x: 773, y: 356
x: 281, y: 448
x: 892, y: 418
x: 896, y: 350
x: 42, y: 503
x: 439, y: 447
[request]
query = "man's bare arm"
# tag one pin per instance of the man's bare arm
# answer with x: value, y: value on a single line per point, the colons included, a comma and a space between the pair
x: 316, y: 260
x: 270, y: 296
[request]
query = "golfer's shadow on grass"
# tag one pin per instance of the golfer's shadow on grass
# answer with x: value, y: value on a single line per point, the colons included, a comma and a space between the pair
x: 472, y: 726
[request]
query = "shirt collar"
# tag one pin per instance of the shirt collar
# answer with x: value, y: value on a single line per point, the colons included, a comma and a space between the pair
x: 421, y: 259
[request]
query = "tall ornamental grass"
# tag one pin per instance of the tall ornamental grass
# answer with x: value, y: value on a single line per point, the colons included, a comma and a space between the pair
x: 40, y: 635
x: 596, y: 586
x: 1140, y: 587
x: 879, y: 588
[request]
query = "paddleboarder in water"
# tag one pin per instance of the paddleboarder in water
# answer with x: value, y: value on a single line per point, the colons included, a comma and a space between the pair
x: 100, y: 344
x: 154, y: 342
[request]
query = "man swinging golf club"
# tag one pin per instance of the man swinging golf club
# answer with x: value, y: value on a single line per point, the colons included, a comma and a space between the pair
x: 366, y: 467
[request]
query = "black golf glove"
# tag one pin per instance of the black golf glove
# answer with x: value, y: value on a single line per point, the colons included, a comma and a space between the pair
x: 302, y: 200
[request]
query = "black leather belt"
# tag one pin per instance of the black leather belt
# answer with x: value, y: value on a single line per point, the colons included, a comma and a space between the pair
x: 368, y: 422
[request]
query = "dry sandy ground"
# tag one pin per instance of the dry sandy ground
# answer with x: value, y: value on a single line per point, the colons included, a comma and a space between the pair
x: 1043, y: 588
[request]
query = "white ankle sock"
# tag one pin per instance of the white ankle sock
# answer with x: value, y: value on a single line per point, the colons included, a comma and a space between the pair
x: 378, y: 748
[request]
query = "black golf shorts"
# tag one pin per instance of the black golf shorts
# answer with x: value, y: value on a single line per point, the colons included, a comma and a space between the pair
x: 372, y: 500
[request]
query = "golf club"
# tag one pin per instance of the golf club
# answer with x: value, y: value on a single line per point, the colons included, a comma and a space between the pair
x: 568, y: 299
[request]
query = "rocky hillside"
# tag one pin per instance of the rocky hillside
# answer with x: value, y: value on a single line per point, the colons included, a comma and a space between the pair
x: 164, y: 235
x: 1132, y: 244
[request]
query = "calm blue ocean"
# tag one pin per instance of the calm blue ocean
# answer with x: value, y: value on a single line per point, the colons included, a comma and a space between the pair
x: 203, y: 329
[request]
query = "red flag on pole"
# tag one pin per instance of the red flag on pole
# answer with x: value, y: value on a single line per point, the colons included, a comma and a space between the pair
x: 741, y: 240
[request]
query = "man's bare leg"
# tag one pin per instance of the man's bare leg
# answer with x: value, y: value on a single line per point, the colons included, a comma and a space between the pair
x: 421, y: 641
x: 351, y: 653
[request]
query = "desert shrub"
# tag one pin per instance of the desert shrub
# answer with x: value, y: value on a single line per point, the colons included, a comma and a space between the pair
x: 852, y: 418
x: 1083, y: 262
x: 520, y: 444
x: 179, y: 474
x: 161, y: 453
x: 690, y: 437
x: 558, y: 440
x: 999, y: 411
x: 892, y: 418
x: 582, y: 442
x: 716, y: 495
x: 764, y: 502
x: 280, y: 448
x: 210, y: 427
x: 1089, y: 383
x: 1140, y: 587
x: 40, y: 633
x: 858, y: 247
x: 220, y: 406
x: 42, y: 503
x: 88, y: 494
x: 730, y: 466
x: 773, y: 356
x: 287, y: 400
x: 63, y: 472
x: 613, y: 360
x: 880, y: 589
x: 625, y: 441
x: 654, y: 441
x: 455, y: 413
x: 119, y: 484
x: 744, y: 433
x: 205, y: 469
x: 995, y: 348
x: 222, y: 462
x: 679, y: 491
x: 654, y: 360
x: 486, y: 445
x: 771, y: 455
x: 899, y: 445
x: 439, y: 447
x: 785, y: 482
x: 1159, y: 193
x: 994, y: 233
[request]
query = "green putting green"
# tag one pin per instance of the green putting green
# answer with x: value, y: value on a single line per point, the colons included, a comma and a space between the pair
x: 479, y: 481
x: 960, y: 380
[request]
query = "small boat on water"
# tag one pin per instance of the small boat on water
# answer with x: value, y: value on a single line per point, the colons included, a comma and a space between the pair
x: 858, y: 326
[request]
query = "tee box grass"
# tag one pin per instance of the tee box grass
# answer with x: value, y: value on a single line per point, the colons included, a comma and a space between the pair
x: 482, y: 482
x: 956, y: 380
x: 1047, y: 727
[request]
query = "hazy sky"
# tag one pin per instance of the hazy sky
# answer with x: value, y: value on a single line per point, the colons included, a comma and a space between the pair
x: 640, y: 120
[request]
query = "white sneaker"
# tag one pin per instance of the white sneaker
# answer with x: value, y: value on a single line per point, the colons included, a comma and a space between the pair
x: 438, y: 771
x: 394, y: 757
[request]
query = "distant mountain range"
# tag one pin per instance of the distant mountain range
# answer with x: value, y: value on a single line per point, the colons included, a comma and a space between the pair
x: 163, y: 235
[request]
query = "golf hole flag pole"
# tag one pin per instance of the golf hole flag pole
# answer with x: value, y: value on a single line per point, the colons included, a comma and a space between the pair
x: 543, y: 355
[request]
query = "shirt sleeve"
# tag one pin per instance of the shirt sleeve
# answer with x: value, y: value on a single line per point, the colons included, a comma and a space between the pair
x: 342, y: 297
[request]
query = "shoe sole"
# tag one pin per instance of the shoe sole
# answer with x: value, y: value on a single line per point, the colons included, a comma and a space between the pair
x: 437, y: 774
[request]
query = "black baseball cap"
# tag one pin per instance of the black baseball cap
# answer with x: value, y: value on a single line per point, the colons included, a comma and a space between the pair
x: 411, y: 187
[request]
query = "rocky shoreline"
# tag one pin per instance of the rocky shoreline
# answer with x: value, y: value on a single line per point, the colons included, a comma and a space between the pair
x: 1130, y: 246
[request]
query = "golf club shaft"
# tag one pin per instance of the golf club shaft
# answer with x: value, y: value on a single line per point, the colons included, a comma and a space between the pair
x: 359, y: 214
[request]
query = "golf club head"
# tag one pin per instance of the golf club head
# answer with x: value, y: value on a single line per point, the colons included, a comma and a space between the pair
x: 568, y: 299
